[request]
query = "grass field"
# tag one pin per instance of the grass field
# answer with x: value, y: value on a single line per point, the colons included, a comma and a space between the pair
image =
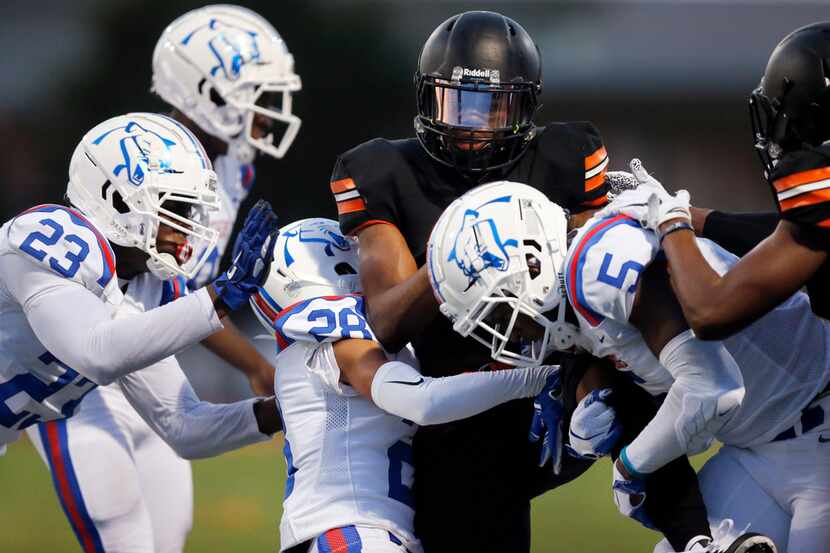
x: 237, y: 508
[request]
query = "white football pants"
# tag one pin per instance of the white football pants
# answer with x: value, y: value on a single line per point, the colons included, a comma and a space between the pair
x: 122, y: 488
x: 781, y: 489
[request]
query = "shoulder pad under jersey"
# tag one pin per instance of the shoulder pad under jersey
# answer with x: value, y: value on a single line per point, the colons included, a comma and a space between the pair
x: 62, y: 240
x: 576, y: 148
x: 801, y: 184
x: 603, y: 266
x: 365, y: 183
x: 323, y: 319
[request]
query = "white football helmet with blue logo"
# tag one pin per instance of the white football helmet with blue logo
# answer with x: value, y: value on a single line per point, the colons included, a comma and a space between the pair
x: 223, y: 65
x: 496, y: 253
x: 311, y: 259
x: 133, y: 172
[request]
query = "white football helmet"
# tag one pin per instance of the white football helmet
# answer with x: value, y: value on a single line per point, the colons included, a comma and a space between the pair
x: 496, y: 253
x: 311, y: 259
x: 221, y: 66
x: 133, y: 172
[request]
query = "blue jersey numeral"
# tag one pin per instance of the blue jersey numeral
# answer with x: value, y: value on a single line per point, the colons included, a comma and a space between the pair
x: 349, y: 321
x: 618, y: 280
x: 74, y: 258
x: 31, y: 386
x: 325, y: 329
x: 398, y: 454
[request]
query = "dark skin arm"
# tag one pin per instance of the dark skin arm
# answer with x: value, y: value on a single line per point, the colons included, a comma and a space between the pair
x: 716, y: 306
x: 229, y: 345
x: 398, y: 295
x: 359, y: 360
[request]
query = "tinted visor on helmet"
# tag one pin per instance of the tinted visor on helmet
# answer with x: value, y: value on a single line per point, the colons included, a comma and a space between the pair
x: 479, y: 107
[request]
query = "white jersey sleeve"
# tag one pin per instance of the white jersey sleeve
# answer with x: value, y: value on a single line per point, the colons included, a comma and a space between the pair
x: 63, y: 241
x: 79, y: 329
x: 164, y: 398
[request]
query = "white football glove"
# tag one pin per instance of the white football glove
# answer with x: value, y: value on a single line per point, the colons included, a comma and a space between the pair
x: 594, y: 426
x: 649, y: 203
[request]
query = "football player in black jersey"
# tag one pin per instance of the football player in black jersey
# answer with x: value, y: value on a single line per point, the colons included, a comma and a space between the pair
x: 477, y: 85
x: 791, y: 124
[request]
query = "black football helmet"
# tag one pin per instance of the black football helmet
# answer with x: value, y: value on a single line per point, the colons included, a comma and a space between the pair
x: 790, y: 109
x: 477, y: 85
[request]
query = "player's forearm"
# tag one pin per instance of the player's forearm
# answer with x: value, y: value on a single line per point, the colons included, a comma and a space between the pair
x: 229, y: 345
x: 398, y: 313
x: 698, y: 288
x: 193, y: 428
x: 707, y: 390
x: 77, y: 328
x: 401, y: 390
x: 718, y: 306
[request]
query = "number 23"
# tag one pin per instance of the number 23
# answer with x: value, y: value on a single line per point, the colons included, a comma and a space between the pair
x: 74, y: 258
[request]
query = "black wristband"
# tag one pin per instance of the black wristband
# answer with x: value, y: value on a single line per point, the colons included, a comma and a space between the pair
x: 674, y: 227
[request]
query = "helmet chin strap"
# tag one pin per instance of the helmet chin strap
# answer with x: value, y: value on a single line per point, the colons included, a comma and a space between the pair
x: 157, y: 266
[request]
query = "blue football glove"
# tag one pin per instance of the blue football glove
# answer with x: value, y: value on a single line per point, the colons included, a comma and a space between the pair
x: 255, y: 250
x: 547, y: 421
x: 594, y: 426
x: 630, y: 496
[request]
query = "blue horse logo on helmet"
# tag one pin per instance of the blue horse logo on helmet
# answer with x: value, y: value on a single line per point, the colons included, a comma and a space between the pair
x: 478, y: 245
x: 232, y: 46
x: 142, y: 150
x: 320, y: 234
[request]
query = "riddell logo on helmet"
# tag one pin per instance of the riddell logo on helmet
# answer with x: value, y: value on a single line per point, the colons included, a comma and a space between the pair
x: 459, y: 72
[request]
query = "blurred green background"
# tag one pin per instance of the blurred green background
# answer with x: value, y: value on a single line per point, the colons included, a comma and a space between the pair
x: 238, y: 500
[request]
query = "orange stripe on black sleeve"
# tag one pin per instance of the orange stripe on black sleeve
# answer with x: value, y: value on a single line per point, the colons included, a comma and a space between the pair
x: 806, y: 199
x: 804, y: 177
x: 342, y: 185
x: 350, y: 206
x: 596, y: 158
x: 595, y: 182
x: 597, y: 202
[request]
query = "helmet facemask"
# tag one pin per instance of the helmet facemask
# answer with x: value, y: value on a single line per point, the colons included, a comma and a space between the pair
x: 475, y: 126
x: 248, y: 110
x: 133, y: 173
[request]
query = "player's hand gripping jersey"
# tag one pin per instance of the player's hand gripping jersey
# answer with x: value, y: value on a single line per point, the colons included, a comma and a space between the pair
x: 349, y: 461
x: 603, y: 269
x: 58, y: 335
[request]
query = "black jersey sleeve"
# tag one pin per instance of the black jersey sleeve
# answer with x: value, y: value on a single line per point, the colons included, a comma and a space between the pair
x: 364, y: 186
x: 739, y: 232
x: 577, y: 151
x: 801, y: 186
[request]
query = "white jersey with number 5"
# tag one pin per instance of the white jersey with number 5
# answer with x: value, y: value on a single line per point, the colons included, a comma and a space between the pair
x: 603, y: 267
x: 349, y: 462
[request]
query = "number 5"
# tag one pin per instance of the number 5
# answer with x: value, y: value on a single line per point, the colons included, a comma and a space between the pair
x: 618, y: 280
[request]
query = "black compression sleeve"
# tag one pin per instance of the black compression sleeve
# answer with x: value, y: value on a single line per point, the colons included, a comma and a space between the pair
x: 739, y: 232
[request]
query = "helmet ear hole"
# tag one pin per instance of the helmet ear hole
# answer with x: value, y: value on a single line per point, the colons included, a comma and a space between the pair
x: 344, y: 268
x: 217, y: 100
x: 118, y: 203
